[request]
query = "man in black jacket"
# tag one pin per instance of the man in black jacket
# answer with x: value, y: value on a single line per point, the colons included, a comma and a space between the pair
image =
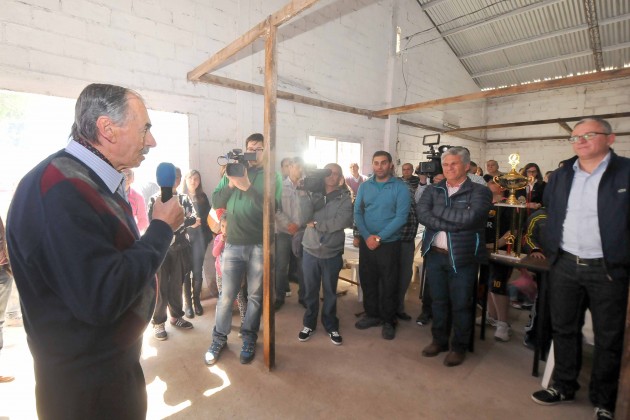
x: 454, y: 213
x: 587, y: 242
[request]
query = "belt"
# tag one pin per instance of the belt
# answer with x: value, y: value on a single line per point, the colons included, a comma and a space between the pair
x: 593, y: 262
x: 439, y: 250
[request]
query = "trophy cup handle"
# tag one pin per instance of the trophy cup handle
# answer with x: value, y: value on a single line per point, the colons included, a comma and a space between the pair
x: 496, y: 180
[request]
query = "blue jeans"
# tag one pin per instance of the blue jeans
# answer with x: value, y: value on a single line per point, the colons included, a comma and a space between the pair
x: 572, y: 289
x: 6, y: 281
x: 324, y: 271
x: 237, y: 261
x: 455, y: 289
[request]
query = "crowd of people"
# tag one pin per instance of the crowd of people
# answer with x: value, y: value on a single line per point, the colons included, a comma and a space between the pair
x: 95, y: 263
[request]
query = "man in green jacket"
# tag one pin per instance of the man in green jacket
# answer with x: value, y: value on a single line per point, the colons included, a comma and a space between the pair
x: 242, y: 197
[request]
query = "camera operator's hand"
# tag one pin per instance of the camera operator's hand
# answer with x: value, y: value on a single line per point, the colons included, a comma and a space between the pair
x: 240, y: 182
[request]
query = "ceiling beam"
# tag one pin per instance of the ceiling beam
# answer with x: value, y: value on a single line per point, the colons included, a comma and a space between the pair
x: 509, y: 91
x: 561, y: 121
x: 623, y: 133
x: 590, y: 10
x: 287, y: 96
x: 430, y: 4
x: 542, y: 37
x: 290, y: 10
x: 438, y: 130
x: 498, y: 17
x: 565, y: 127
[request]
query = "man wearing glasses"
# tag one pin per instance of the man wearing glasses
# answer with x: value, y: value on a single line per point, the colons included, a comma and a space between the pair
x: 242, y: 197
x: 588, y: 246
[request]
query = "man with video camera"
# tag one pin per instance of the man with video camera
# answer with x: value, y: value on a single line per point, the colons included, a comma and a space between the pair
x: 242, y: 197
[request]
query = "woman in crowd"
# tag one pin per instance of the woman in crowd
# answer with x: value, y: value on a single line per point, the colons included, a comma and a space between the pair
x: 323, y: 244
x: 534, y: 190
x: 199, y: 236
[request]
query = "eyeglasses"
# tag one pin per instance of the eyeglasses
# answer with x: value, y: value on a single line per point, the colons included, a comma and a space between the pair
x: 587, y: 136
x: 260, y: 149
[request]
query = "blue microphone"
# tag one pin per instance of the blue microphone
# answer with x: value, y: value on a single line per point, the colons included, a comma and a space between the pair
x: 165, y: 174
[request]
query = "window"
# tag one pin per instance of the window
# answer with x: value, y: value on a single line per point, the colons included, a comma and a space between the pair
x: 35, y: 126
x: 323, y: 150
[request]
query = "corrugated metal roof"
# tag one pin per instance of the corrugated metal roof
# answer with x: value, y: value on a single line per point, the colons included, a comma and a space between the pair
x: 507, y: 42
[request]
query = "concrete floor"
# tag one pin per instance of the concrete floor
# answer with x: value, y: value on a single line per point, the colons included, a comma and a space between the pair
x: 365, y: 378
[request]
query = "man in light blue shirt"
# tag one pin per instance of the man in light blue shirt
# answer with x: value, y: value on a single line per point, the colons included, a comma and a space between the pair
x: 587, y: 242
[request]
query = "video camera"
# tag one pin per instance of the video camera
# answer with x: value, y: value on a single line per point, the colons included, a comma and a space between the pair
x: 235, y: 160
x: 313, y: 181
x: 434, y: 164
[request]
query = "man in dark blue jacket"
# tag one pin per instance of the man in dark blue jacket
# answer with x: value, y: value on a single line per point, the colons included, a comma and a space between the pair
x: 587, y: 242
x: 454, y: 213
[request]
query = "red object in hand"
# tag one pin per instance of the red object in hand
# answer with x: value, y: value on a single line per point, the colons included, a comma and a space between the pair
x: 509, y: 249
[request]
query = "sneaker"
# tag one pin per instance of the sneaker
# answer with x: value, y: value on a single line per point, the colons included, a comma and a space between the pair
x: 248, y: 351
x: 389, y: 331
x: 335, y: 338
x: 181, y: 323
x: 603, y: 414
x: 423, y: 319
x: 159, y: 332
x: 288, y: 294
x: 305, y: 334
x: 503, y: 332
x: 367, y: 321
x: 489, y: 321
x: 551, y: 396
x: 214, y: 351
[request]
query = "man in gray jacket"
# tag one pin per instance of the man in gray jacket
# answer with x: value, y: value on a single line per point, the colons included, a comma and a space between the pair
x: 323, y: 244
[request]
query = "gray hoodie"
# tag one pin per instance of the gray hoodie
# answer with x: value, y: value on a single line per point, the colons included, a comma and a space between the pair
x: 332, y: 215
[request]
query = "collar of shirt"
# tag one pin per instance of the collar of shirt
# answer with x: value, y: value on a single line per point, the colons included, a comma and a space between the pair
x: 601, y: 167
x: 110, y: 176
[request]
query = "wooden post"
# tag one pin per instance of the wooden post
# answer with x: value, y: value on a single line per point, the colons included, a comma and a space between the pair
x: 269, y: 209
x: 623, y: 395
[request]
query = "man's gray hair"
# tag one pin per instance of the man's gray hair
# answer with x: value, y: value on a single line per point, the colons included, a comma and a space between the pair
x: 605, y: 124
x: 95, y: 101
x: 462, y: 152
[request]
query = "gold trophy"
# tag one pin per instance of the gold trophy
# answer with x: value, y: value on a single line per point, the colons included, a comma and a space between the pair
x: 511, y: 181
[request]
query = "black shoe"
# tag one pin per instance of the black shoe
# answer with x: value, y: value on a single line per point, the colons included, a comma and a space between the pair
x: 198, y: 308
x: 181, y: 323
x: 248, y: 351
x: 389, y: 331
x: 278, y: 305
x: 367, y: 322
x: 335, y: 338
x: 603, y: 414
x: 551, y: 396
x: 305, y: 334
x: 403, y: 316
x: 423, y: 319
x: 189, y: 312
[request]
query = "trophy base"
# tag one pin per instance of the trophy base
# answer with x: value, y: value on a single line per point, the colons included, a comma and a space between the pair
x: 503, y: 255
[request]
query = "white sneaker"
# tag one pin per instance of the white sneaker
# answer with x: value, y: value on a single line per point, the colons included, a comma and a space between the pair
x: 288, y: 294
x: 489, y: 321
x: 503, y: 332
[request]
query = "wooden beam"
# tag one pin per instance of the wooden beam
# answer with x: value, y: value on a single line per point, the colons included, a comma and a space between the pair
x: 249, y: 87
x: 566, y: 127
x: 437, y: 130
x: 269, y: 201
x: 512, y: 90
x: 540, y: 122
x: 623, y: 394
x: 289, y: 10
x: 623, y: 133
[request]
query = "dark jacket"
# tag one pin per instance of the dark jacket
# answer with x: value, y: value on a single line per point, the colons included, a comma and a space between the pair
x: 536, y: 195
x: 462, y: 216
x: 613, y: 207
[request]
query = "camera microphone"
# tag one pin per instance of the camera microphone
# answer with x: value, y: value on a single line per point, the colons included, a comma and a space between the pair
x: 165, y: 175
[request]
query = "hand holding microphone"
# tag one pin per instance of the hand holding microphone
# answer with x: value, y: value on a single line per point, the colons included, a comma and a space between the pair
x: 167, y: 210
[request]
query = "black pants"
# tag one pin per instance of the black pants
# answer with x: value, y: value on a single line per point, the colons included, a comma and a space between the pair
x: 97, y: 392
x: 378, y: 270
x: 171, y: 277
x: 573, y: 288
